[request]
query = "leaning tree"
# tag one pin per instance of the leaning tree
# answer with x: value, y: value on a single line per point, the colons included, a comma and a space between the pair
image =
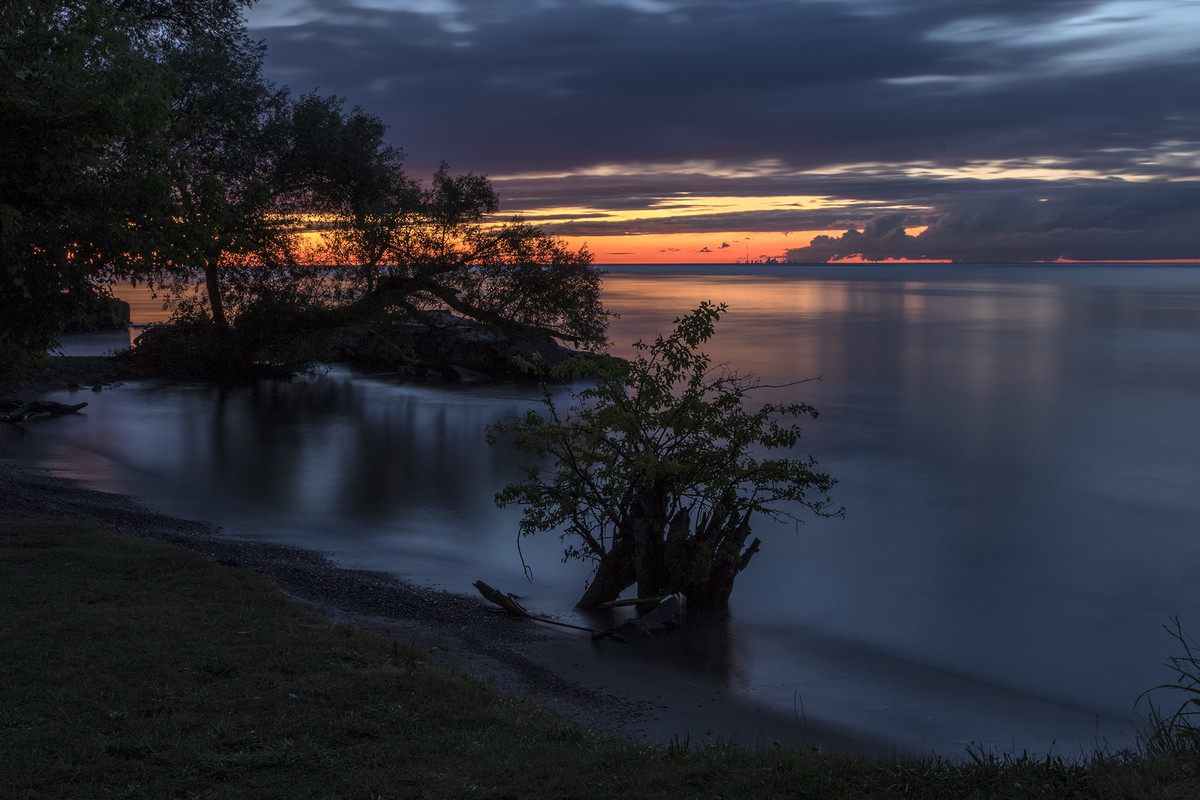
x: 418, y: 247
x: 657, y: 470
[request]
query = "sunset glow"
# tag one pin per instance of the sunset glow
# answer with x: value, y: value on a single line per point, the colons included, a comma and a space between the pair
x: 685, y: 227
x: 726, y: 247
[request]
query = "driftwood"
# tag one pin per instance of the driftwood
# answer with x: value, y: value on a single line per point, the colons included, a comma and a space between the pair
x: 663, y: 620
x: 509, y: 603
x: 506, y: 601
x: 15, y: 411
x: 634, y: 601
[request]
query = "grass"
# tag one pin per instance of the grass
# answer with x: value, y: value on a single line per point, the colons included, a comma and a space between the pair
x: 135, y: 669
x: 1173, y: 732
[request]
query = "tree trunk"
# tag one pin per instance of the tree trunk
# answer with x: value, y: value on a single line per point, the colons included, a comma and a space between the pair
x: 614, y: 575
x: 648, y: 523
x: 212, y: 282
x: 666, y: 556
x: 715, y: 560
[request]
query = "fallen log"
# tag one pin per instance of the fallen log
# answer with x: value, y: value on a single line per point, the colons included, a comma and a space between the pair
x: 22, y: 412
x: 509, y: 603
x: 506, y: 601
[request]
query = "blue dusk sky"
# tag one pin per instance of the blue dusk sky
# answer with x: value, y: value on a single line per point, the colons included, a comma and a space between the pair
x: 706, y: 130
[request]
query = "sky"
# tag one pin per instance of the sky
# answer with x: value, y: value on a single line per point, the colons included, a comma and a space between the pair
x: 697, y: 131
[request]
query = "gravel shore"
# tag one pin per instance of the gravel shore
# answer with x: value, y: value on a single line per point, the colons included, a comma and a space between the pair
x: 462, y: 632
x: 622, y: 689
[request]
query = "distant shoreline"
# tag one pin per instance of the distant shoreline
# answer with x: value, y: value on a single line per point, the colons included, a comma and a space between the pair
x: 615, y: 266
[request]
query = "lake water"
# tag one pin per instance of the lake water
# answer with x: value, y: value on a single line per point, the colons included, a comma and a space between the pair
x: 1017, y: 449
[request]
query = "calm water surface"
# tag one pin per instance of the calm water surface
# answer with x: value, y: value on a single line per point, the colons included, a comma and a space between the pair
x: 1016, y: 449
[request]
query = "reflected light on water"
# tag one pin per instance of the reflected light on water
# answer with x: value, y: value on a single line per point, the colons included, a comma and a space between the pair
x: 1015, y: 447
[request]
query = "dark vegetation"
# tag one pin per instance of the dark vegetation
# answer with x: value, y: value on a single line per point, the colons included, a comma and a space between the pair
x: 657, y: 471
x: 143, y: 143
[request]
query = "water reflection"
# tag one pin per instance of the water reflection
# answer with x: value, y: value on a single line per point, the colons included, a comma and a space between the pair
x: 1016, y: 450
x: 1013, y: 453
x: 389, y: 476
x: 708, y: 648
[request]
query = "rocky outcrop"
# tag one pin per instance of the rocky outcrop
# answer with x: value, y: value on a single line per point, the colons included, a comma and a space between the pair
x: 445, y: 346
x: 437, y: 346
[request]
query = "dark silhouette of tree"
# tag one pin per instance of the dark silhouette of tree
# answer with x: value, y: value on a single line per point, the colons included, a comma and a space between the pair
x: 143, y: 141
x: 80, y: 113
x: 85, y: 125
x: 230, y: 227
x: 182, y: 19
x: 419, y: 247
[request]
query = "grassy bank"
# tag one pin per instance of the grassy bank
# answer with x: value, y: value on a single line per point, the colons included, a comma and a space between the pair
x: 131, y: 668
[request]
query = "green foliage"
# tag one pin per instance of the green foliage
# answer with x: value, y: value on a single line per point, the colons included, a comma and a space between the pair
x: 194, y: 348
x: 80, y: 114
x: 367, y: 197
x: 340, y: 162
x: 142, y: 141
x: 107, y: 109
x: 658, y: 467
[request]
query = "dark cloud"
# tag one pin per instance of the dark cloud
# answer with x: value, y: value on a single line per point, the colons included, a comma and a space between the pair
x: 544, y: 85
x: 1096, y: 224
x: 549, y: 89
x: 535, y: 86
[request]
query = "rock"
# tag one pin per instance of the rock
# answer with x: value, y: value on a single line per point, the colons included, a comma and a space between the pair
x: 113, y: 314
x: 474, y: 350
x: 120, y: 316
x: 663, y: 619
